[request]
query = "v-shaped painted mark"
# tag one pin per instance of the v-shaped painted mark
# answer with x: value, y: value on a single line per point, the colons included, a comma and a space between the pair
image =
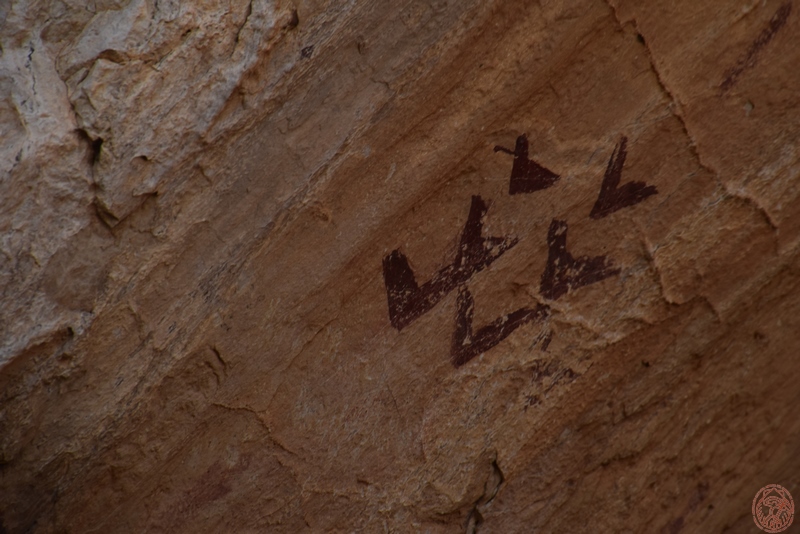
x: 563, y: 272
x: 408, y: 301
x: 614, y: 197
x: 527, y: 176
x: 466, y: 345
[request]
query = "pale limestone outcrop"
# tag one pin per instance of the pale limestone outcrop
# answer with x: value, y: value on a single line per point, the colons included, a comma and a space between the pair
x: 101, y: 102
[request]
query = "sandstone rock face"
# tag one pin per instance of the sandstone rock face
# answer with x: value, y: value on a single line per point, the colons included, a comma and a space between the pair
x: 419, y: 266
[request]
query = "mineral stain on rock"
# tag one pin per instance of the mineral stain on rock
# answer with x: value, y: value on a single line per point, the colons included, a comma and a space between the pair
x: 564, y: 272
x: 750, y: 58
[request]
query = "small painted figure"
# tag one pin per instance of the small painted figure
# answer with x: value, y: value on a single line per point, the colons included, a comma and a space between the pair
x: 467, y: 344
x: 527, y: 176
x: 614, y: 197
x: 564, y: 272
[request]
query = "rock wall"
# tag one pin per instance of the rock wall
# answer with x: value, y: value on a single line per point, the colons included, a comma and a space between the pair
x: 476, y: 266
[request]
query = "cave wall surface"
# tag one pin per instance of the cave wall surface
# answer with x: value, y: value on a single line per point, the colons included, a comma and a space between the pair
x: 415, y: 266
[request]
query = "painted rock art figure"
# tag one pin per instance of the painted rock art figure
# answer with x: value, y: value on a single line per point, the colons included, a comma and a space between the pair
x: 614, y: 197
x: 564, y: 272
x: 408, y: 300
x: 527, y: 176
x: 467, y: 344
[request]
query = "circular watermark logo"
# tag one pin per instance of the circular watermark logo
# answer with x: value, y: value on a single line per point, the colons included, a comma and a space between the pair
x: 773, y: 508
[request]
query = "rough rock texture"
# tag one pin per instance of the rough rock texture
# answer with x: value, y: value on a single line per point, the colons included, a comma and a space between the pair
x: 262, y: 268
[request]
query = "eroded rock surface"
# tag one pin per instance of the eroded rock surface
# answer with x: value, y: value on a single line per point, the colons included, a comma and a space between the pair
x: 441, y: 266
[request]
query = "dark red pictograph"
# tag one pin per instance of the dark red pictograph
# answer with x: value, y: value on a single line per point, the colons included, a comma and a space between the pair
x: 467, y: 344
x: 613, y: 196
x: 565, y: 272
x: 408, y: 300
x: 527, y: 176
